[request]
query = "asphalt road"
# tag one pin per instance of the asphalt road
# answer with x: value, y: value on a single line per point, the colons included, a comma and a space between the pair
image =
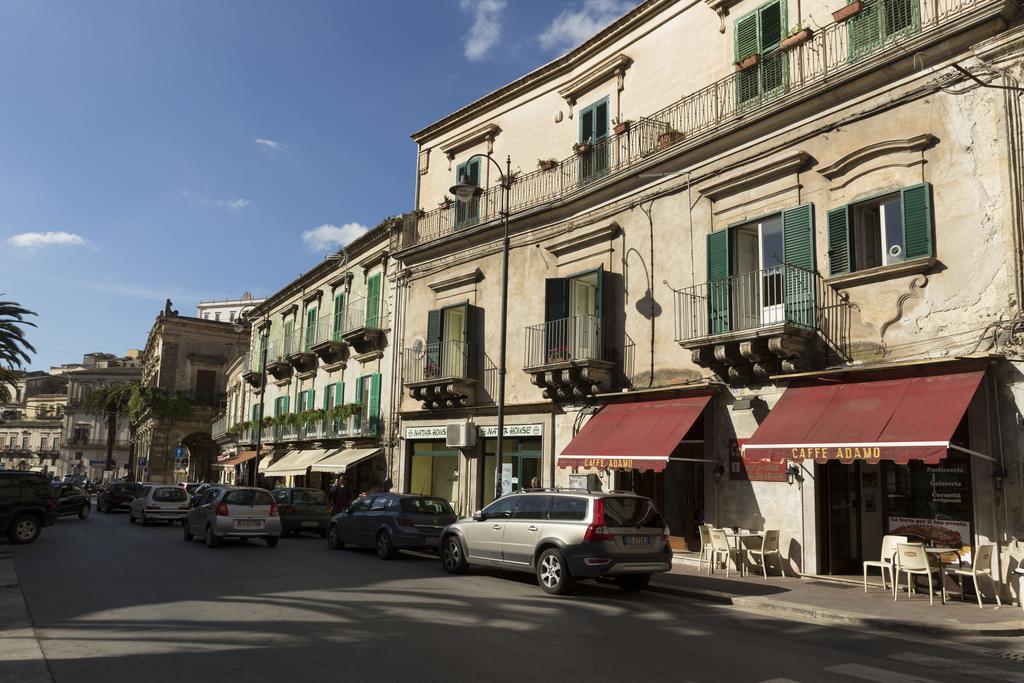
x: 118, y: 602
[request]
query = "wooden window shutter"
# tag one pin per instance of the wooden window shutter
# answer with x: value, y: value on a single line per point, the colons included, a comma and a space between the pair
x: 339, y: 312
x: 798, y: 237
x: 917, y: 220
x: 863, y: 30
x: 556, y: 298
x: 746, y: 37
x: 770, y: 20
x: 601, y: 121
x: 373, y: 301
x: 718, y: 281
x: 839, y: 253
x: 587, y: 125
x: 374, y: 407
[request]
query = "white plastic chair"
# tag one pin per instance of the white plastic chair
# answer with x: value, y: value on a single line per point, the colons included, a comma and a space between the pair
x: 982, y: 566
x: 915, y: 561
x: 720, y: 546
x: 769, y: 546
x: 885, y: 563
x: 705, y: 547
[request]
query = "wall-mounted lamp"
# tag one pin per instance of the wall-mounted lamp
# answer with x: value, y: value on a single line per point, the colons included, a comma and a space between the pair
x: 998, y: 475
x: 718, y: 472
x: 793, y: 474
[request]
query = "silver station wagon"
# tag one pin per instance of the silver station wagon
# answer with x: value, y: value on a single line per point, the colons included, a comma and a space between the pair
x: 563, y: 536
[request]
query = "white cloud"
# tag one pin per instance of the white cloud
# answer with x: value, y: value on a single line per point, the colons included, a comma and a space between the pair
x: 572, y: 27
x: 270, y: 145
x: 231, y: 204
x: 32, y: 240
x: 331, y: 237
x: 486, y: 29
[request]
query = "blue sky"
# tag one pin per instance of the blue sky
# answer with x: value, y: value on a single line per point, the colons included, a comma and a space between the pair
x: 197, y: 149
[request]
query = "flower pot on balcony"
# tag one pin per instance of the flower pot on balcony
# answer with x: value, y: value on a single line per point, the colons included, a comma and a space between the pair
x: 546, y: 164
x: 419, y: 213
x: 854, y: 8
x: 797, y: 39
x: 748, y: 62
x: 670, y: 138
x: 582, y: 148
x: 445, y: 203
x: 622, y: 127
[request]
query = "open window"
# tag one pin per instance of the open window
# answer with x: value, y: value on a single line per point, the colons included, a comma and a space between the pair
x: 468, y: 213
x: 448, y: 337
x: 573, y: 317
x: 760, y: 33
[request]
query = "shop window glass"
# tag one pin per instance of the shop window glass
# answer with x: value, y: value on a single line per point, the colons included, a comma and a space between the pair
x: 930, y: 502
x: 435, y: 471
x: 524, y: 455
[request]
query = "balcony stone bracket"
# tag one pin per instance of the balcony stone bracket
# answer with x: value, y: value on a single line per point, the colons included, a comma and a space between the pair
x: 365, y: 339
x: 252, y: 378
x: 742, y: 361
x: 332, y: 354
x: 303, y: 361
x: 280, y: 369
x: 572, y: 381
x: 443, y: 393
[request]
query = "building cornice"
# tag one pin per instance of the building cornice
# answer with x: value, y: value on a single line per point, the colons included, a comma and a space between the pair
x: 857, y: 157
x: 756, y: 174
x: 454, y: 281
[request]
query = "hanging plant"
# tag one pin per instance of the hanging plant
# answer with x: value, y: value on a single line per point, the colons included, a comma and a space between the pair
x: 268, y: 421
x: 310, y: 417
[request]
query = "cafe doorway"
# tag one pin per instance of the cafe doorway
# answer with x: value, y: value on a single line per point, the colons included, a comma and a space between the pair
x: 839, y: 518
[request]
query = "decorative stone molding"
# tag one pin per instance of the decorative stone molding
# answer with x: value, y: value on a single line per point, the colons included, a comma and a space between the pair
x: 485, y: 133
x: 343, y: 280
x: 868, y: 152
x: 424, y: 161
x: 573, y: 380
x: 581, y: 239
x: 455, y: 281
x: 443, y: 393
x: 252, y: 378
x: 332, y: 354
x: 756, y: 174
x: 891, y: 272
x: 721, y: 8
x: 280, y: 369
x: 595, y: 76
x: 914, y: 292
x: 315, y: 295
x: 303, y: 361
x: 291, y: 310
x: 754, y: 356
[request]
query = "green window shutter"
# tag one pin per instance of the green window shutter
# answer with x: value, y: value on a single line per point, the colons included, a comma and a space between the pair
x: 799, y: 282
x: 433, y: 367
x: 357, y: 419
x: 301, y: 401
x: 839, y: 256
x: 718, y: 282
x: 285, y: 400
x: 587, y: 125
x: 468, y: 213
x: 601, y: 120
x: 770, y: 19
x: 310, y: 328
x: 288, y: 329
x: 339, y: 393
x: 774, y: 64
x: 373, y: 301
x: 917, y: 220
x: 745, y: 37
x: 339, y: 312
x: 375, y: 403
x: 863, y: 30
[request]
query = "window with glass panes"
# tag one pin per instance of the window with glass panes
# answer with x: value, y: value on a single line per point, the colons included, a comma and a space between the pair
x: 524, y: 455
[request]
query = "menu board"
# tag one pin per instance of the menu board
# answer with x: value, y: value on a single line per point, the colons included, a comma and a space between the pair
x: 753, y: 468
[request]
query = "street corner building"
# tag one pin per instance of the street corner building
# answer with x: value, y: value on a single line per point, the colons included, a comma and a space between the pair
x: 765, y: 266
x: 308, y: 397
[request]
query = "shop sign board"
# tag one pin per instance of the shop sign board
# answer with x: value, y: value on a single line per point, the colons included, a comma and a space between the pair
x: 488, y: 431
x: 947, y: 533
x: 751, y: 466
x: 431, y: 432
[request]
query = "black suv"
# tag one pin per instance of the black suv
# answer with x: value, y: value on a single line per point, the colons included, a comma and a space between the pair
x: 27, y: 504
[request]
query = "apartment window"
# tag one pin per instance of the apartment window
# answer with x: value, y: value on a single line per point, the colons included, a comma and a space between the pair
x: 760, y: 33
x: 761, y: 272
x: 373, y: 285
x: 206, y: 316
x: 24, y: 443
x: 216, y: 316
x: 881, y: 231
x: 12, y: 440
x: 310, y: 327
x: 594, y: 133
x: 339, y: 312
x: 448, y: 337
x: 80, y: 435
x: 573, y: 309
x: 231, y: 316
x: 368, y: 396
x: 468, y: 213
x: 289, y: 328
x: 206, y: 386
x: 880, y: 22
x: 44, y: 443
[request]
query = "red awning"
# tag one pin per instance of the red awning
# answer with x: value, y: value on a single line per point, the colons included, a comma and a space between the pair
x: 909, y: 418
x: 636, y: 435
x: 235, y: 459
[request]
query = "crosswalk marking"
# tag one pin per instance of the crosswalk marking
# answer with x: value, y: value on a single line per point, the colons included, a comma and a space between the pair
x: 959, y: 666
x: 872, y: 673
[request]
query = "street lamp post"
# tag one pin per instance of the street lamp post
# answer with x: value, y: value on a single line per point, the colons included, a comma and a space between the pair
x: 239, y: 326
x: 465, y: 190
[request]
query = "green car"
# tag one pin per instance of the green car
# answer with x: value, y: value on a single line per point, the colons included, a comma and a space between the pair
x: 302, y: 510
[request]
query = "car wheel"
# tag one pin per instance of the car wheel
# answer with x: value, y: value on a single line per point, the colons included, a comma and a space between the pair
x: 385, y: 548
x: 633, y: 582
x: 553, y: 573
x: 188, y: 534
x: 271, y: 541
x: 24, y: 530
x: 452, y: 558
x: 334, y: 541
x: 84, y: 512
x: 211, y: 538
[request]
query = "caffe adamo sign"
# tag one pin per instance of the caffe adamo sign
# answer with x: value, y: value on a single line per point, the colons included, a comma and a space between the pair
x: 845, y: 453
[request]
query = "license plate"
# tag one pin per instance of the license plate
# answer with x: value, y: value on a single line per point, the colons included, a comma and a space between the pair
x: 431, y: 540
x: 249, y: 524
x: 311, y: 524
x: 636, y: 540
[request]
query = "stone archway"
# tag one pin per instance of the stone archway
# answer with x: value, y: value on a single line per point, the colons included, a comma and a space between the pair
x: 203, y: 451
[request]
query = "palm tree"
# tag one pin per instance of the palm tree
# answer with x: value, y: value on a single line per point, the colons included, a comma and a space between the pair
x: 14, y: 348
x: 112, y: 401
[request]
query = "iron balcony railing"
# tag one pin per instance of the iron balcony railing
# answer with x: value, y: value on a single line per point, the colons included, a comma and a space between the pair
x: 577, y: 339
x: 781, y: 295
x: 330, y: 328
x: 689, y: 121
x: 360, y: 313
x: 219, y: 427
x: 438, y: 361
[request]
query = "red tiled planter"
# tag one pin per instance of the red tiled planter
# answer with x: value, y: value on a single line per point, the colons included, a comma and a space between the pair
x: 797, y: 39
x: 748, y: 62
x: 841, y: 15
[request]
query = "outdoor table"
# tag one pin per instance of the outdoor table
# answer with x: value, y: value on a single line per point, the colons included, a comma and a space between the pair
x: 738, y: 545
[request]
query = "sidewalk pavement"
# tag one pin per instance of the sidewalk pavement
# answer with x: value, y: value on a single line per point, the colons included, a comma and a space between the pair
x: 21, y: 659
x: 844, y: 603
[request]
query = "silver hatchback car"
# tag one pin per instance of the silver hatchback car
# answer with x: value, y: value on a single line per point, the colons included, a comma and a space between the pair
x: 563, y: 536
x: 233, y: 512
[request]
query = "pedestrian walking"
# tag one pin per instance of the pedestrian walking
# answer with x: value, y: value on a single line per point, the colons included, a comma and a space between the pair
x: 341, y: 495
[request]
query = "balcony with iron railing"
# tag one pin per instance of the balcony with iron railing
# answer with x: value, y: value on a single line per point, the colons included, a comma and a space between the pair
x: 328, y: 342
x: 219, y: 428
x: 776, y: 82
x: 324, y: 429
x: 441, y: 374
x: 575, y: 357
x: 365, y: 322
x: 751, y: 326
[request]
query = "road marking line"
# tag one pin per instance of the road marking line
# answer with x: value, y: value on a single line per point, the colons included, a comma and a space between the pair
x: 871, y: 673
x: 959, y: 666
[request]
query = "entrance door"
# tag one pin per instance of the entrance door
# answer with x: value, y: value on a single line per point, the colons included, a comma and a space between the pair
x: 839, y: 505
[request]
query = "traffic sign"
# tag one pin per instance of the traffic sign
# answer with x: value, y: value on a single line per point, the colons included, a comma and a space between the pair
x: 142, y: 462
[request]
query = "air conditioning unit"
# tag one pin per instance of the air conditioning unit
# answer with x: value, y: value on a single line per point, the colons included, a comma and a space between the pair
x: 460, y: 435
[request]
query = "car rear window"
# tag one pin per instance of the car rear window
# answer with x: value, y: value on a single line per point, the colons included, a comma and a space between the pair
x: 169, y: 494
x: 191, y: 488
x: 133, y: 489
x: 426, y: 506
x: 309, y: 496
x: 568, y: 509
x: 248, y: 497
x: 629, y: 511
